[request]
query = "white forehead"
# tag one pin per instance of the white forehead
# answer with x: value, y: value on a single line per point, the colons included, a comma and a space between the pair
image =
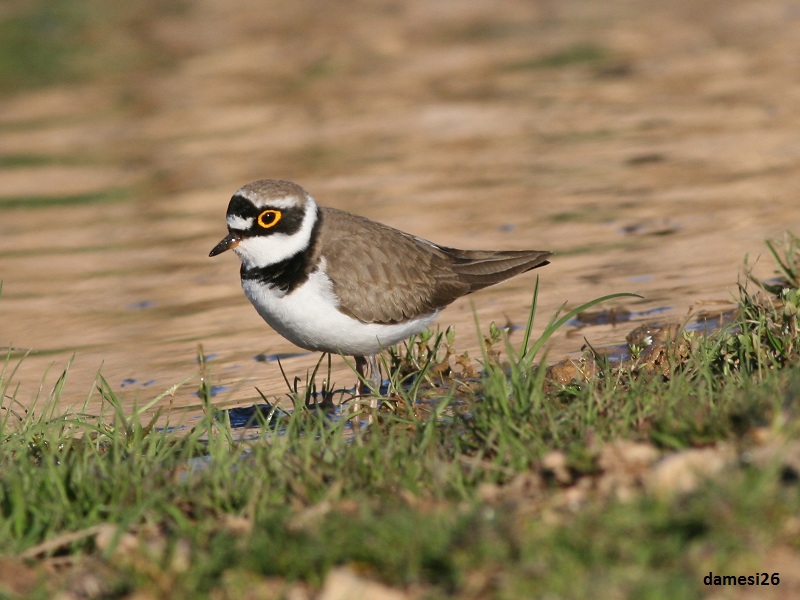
x: 240, y: 223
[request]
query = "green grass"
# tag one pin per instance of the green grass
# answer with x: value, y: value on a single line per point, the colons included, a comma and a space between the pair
x: 454, y: 490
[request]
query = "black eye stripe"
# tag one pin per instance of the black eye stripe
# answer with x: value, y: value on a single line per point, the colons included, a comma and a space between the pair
x: 291, y: 219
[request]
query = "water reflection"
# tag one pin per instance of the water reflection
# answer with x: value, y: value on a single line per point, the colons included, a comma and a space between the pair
x: 111, y: 192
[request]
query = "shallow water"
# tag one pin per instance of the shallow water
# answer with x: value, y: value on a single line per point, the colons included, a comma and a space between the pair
x: 653, y: 170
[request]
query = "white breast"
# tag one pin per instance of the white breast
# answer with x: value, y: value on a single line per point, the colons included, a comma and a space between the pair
x: 309, y: 317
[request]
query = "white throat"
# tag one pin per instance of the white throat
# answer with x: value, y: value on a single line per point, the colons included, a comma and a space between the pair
x: 265, y: 250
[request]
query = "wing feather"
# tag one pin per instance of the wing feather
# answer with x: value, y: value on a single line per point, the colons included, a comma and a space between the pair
x: 420, y: 277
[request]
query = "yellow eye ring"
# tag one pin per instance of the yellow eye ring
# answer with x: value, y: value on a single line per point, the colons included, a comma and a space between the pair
x: 269, y: 218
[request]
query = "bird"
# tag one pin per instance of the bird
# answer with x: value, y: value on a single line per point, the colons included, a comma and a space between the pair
x: 332, y: 281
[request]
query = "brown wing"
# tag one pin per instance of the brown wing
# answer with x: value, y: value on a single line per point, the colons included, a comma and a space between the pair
x: 420, y: 276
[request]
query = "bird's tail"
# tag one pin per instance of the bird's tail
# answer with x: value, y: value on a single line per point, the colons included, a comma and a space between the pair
x: 482, y: 268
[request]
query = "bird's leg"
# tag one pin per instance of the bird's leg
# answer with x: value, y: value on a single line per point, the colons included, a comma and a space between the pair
x: 370, y: 374
x: 369, y: 381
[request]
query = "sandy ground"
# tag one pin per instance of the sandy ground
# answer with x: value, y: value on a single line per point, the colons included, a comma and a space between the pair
x: 651, y: 145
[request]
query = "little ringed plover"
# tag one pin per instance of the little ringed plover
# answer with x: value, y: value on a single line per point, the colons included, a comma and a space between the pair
x: 331, y: 281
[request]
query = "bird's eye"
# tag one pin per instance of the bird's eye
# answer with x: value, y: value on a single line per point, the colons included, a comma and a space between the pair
x: 269, y: 218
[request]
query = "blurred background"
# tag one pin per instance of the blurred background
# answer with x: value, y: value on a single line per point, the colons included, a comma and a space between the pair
x: 651, y: 145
